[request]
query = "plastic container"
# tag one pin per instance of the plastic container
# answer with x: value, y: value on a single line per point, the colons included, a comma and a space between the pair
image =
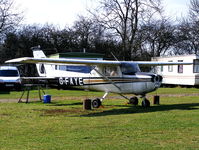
x: 47, y: 98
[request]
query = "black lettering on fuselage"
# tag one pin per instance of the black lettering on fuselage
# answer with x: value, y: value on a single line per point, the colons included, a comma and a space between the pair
x: 71, y: 81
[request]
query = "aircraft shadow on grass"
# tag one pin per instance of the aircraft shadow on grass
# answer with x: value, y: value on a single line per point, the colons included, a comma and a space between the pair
x: 139, y: 109
x: 129, y: 109
x: 71, y: 104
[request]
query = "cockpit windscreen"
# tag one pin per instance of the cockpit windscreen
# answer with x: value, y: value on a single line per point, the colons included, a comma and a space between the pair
x: 129, y: 68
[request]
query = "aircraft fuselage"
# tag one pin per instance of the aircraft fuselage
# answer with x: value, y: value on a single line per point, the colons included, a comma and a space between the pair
x: 138, y: 84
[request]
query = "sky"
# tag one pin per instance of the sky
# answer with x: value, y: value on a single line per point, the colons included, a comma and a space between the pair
x: 64, y: 12
x: 176, y: 8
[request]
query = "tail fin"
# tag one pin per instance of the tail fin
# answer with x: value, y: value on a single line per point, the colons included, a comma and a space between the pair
x: 42, y: 69
x: 38, y: 54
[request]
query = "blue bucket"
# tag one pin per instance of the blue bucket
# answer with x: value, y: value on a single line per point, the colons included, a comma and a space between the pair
x: 47, y: 98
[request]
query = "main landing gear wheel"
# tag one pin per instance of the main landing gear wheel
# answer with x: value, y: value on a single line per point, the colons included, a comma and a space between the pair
x: 96, y: 103
x: 133, y: 100
x: 145, y: 103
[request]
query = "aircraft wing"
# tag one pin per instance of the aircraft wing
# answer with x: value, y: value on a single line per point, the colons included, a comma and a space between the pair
x: 62, y: 61
x: 90, y: 62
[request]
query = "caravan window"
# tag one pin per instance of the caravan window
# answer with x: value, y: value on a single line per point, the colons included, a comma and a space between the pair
x: 180, y: 67
x: 196, y: 66
x: 170, y: 67
x: 161, y: 68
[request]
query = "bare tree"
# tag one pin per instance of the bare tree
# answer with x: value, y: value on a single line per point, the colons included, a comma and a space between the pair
x: 83, y: 29
x: 188, y: 32
x: 194, y: 10
x: 123, y: 17
x: 158, y: 37
x: 188, y: 38
x: 9, y: 17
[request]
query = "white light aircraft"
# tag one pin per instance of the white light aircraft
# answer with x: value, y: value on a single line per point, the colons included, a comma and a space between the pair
x: 122, y: 77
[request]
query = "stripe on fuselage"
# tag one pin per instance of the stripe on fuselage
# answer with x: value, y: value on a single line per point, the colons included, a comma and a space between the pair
x: 77, y: 81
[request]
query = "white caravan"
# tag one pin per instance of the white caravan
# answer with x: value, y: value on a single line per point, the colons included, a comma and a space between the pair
x: 179, y: 74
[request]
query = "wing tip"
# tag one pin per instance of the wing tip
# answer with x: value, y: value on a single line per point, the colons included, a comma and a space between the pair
x: 16, y: 60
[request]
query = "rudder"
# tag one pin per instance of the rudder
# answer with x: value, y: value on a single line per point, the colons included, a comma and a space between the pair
x: 42, y: 69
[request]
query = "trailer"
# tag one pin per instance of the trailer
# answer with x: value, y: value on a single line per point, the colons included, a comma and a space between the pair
x: 187, y: 75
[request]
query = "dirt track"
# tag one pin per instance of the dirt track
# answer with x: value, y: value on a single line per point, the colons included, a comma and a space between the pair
x: 84, y: 97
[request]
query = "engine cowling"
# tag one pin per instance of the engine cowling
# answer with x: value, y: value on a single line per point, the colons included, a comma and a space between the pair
x: 157, y: 79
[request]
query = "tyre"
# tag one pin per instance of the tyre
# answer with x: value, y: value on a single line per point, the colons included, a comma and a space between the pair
x: 146, y: 103
x: 133, y: 100
x: 96, y: 103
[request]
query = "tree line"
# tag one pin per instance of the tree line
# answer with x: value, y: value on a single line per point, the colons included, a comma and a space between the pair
x: 127, y: 29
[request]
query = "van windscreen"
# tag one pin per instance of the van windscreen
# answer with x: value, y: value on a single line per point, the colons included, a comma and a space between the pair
x: 9, y: 73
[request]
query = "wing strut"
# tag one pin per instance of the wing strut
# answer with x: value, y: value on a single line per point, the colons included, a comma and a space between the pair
x: 113, y: 83
x: 123, y: 96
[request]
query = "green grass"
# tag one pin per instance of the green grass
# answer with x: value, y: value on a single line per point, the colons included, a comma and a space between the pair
x: 63, y: 124
x: 80, y: 93
x: 54, y: 92
x: 176, y: 90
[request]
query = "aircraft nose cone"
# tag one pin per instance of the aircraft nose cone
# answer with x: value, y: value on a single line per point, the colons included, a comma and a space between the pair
x: 157, y: 79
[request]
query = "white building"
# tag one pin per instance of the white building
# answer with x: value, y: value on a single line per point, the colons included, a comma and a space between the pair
x: 179, y: 74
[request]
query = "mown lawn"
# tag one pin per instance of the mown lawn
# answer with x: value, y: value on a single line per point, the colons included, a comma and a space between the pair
x: 63, y: 124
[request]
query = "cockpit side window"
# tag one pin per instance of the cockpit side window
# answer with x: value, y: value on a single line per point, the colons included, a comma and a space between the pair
x: 110, y: 71
x: 129, y: 68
